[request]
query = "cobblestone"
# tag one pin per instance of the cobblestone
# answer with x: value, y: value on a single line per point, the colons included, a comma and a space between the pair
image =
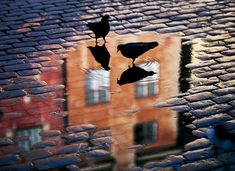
x: 198, y: 143
x: 210, y: 120
x: 20, y: 67
x: 11, y: 94
x: 199, y: 154
x: 56, y: 161
x: 211, y: 110
x: 31, y: 31
x: 201, y: 165
x: 18, y: 167
x: 199, y: 96
x: 37, y: 154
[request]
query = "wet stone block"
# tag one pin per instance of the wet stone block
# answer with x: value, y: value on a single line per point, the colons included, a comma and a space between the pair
x: 25, y: 85
x: 197, y: 144
x: 229, y: 59
x: 49, y: 47
x: 199, y: 96
x: 18, y: 167
x: 223, y: 65
x: 171, y: 160
x: 50, y: 133
x: 205, y: 81
x: 99, y: 153
x: 209, y: 164
x: 199, y: 154
x: 11, y: 57
x: 226, y: 77
x: 29, y: 72
x: 76, y: 137
x: 224, y: 99
x: 11, y: 62
x: 80, y: 128
x: 212, y: 73
x: 11, y: 149
x: 201, y: 89
x: 43, y: 144
x: 72, y: 148
x: 9, y: 159
x: 56, y: 161
x: 207, y: 121
x: 12, y: 94
x: 211, y: 110
x: 201, y: 104
x: 181, y: 108
x: 36, y: 154
x: 40, y: 90
x: 20, y: 67
x: 21, y: 50
x: 6, y: 75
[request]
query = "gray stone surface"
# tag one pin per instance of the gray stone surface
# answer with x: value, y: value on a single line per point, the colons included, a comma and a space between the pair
x: 31, y: 31
x: 56, y: 161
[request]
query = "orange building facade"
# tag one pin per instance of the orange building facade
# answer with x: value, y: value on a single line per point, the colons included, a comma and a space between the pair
x: 133, y: 119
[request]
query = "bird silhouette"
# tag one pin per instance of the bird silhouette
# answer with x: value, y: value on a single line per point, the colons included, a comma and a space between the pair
x: 134, y: 50
x: 101, y: 55
x: 133, y: 74
x: 100, y: 29
x: 221, y: 137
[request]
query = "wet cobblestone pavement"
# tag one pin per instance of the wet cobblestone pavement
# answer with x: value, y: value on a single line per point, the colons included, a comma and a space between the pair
x: 37, y: 38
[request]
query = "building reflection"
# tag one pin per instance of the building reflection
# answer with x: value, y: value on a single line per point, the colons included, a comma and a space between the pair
x: 93, y: 96
x: 24, y: 117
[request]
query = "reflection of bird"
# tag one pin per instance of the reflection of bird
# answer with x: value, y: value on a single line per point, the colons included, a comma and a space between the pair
x: 220, y: 137
x: 100, y: 29
x: 101, y: 55
x: 133, y: 74
x: 134, y: 50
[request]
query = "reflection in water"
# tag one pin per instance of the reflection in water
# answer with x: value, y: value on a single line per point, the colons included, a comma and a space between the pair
x: 117, y: 123
x: 97, y: 86
x: 133, y: 74
x: 134, y: 50
x: 101, y: 55
x: 128, y: 109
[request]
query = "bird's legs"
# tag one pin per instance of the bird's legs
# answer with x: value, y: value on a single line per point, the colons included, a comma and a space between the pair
x: 104, y: 40
x: 133, y: 61
x: 96, y: 42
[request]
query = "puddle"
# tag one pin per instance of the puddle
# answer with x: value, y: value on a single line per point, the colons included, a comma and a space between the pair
x: 112, y: 100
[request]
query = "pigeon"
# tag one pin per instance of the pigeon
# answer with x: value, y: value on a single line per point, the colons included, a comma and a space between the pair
x: 134, y: 50
x: 220, y: 137
x: 101, y: 55
x: 133, y: 74
x: 100, y: 29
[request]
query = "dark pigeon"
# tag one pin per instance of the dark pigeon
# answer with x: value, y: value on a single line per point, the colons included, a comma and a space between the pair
x: 101, y: 55
x: 221, y: 137
x: 100, y: 29
x: 133, y: 74
x: 134, y: 50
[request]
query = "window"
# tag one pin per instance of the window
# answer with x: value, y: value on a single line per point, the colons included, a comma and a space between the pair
x: 145, y: 132
x: 97, y: 86
x: 149, y: 85
x: 27, y: 137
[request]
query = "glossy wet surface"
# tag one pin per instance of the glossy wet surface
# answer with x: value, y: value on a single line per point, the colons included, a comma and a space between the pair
x: 106, y: 110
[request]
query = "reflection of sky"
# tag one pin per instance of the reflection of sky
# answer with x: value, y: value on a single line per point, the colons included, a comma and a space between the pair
x: 151, y: 66
x: 99, y: 79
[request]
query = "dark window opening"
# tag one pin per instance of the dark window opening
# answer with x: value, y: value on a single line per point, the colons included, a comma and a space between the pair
x: 145, y: 132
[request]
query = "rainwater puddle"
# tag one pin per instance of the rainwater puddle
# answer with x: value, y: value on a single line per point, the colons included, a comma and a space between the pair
x: 106, y: 116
